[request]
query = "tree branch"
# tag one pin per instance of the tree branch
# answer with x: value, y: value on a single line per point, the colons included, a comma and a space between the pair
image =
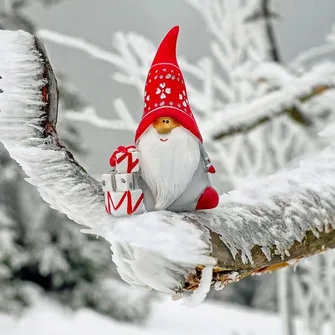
x: 262, y: 227
x: 229, y: 269
x: 292, y: 112
x: 242, y: 118
x: 274, y: 50
x: 267, y: 15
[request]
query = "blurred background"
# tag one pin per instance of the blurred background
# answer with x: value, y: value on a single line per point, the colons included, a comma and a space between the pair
x: 234, y: 54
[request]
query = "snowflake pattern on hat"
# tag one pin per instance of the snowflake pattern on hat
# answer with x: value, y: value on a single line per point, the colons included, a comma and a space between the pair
x: 165, y: 87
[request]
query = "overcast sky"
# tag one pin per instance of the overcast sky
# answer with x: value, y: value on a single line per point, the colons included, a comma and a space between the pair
x: 304, y: 24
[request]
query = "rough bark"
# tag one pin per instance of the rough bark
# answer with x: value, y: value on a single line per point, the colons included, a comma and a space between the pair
x: 230, y: 267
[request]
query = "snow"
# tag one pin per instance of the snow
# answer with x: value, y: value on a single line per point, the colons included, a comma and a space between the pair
x: 240, y: 115
x: 150, y: 250
x: 90, y: 116
x: 157, y: 250
x: 278, y: 210
x: 168, y: 317
x: 275, y: 74
x: 200, y: 294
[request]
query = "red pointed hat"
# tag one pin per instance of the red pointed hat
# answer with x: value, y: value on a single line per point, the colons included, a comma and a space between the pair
x: 165, y: 90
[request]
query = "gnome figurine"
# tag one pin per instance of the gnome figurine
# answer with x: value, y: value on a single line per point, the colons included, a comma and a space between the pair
x: 173, y: 165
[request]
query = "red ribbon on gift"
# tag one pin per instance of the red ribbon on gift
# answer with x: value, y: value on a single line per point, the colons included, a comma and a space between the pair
x: 126, y: 152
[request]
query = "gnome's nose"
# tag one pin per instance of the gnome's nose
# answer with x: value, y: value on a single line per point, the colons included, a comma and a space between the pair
x: 164, y: 125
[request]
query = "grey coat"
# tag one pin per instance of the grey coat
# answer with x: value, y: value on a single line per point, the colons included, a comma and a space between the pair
x: 188, y: 200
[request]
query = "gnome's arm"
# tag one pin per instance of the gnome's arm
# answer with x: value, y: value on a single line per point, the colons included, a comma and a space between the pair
x: 208, y: 164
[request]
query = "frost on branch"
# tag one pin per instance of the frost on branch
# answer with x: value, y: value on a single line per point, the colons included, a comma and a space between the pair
x: 157, y: 253
x: 241, y: 118
x: 258, y: 228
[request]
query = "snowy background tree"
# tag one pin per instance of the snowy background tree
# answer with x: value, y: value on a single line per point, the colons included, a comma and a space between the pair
x: 258, y: 115
x: 41, y: 250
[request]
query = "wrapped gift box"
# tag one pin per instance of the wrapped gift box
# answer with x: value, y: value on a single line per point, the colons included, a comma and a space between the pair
x: 122, y: 195
x: 124, y: 203
x: 125, y: 160
x: 127, y: 163
x: 120, y: 181
x: 125, y: 181
x: 108, y: 181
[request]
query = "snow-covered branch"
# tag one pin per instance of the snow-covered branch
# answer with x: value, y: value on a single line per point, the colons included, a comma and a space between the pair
x: 313, y: 55
x: 240, y: 118
x: 262, y: 11
x: 132, y: 56
x: 125, y: 61
x: 265, y: 225
x: 90, y: 116
x: 310, y: 54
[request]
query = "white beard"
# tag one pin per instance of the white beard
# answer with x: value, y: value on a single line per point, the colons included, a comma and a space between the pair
x: 168, y: 167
